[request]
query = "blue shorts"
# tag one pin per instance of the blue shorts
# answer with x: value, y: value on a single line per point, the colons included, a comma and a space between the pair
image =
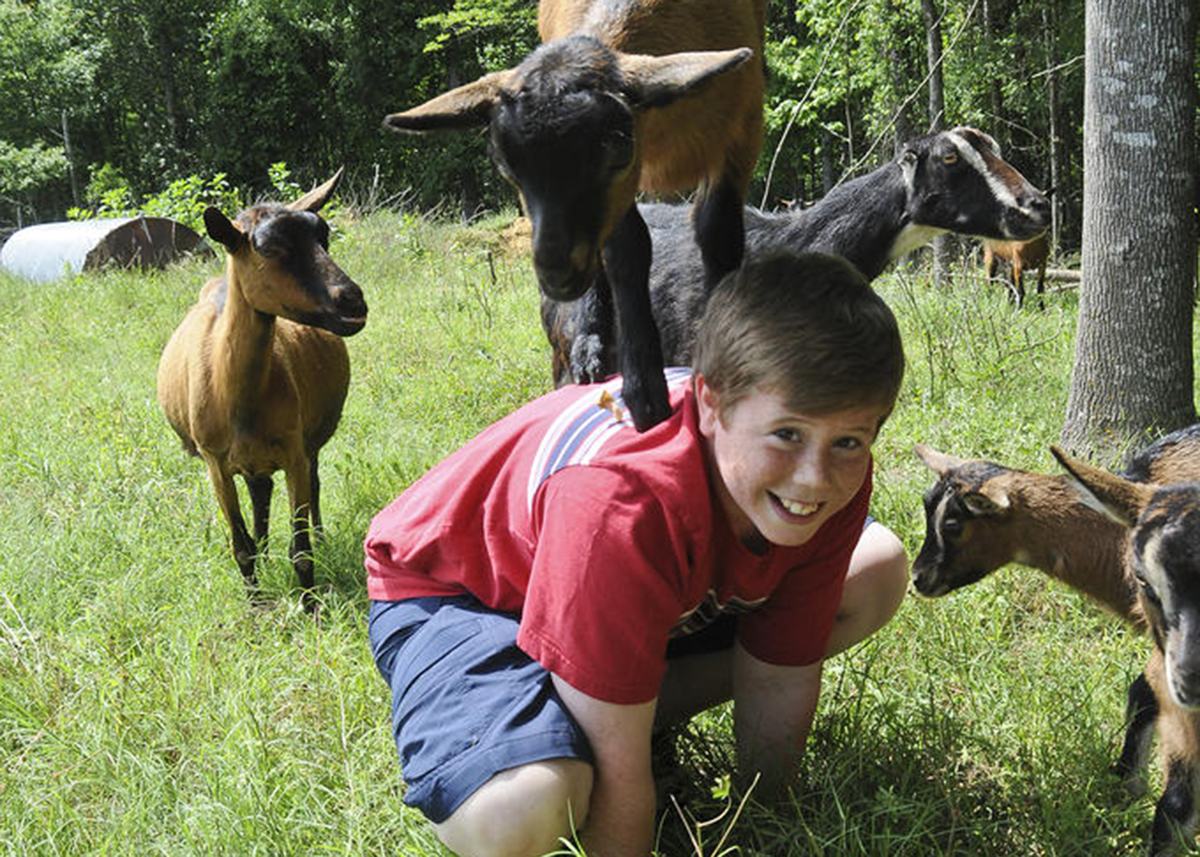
x: 466, y: 702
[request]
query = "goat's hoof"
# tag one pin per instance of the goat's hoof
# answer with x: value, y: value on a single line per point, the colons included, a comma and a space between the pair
x: 647, y: 410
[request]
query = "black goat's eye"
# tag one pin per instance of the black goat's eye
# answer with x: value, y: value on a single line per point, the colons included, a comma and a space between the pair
x: 952, y: 526
x: 619, y: 149
x: 950, y: 158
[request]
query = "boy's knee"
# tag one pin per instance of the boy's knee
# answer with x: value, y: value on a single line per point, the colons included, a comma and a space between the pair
x: 875, y: 586
x: 522, y: 812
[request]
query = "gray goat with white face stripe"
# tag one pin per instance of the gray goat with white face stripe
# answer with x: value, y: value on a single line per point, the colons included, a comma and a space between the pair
x: 1162, y: 557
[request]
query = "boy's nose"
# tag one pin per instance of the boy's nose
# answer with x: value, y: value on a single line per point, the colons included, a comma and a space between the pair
x: 812, y: 469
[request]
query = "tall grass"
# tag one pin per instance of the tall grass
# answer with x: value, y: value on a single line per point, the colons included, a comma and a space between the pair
x: 147, y: 707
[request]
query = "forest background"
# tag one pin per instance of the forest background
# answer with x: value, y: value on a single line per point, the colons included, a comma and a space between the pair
x: 105, y: 102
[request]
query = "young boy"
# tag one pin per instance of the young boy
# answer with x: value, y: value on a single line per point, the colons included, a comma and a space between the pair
x: 560, y: 585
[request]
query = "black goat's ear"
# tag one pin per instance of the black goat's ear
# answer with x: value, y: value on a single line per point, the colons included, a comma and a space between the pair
x: 464, y: 107
x: 222, y: 230
x: 656, y: 81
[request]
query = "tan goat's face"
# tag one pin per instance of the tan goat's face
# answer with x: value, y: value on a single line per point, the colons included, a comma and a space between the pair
x: 1163, y: 557
x: 281, y: 258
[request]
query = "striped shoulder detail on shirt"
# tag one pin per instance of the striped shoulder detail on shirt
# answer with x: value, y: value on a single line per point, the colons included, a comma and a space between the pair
x: 581, y: 430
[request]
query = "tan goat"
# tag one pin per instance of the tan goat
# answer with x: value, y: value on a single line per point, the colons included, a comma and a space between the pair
x: 254, y: 378
x: 1020, y: 256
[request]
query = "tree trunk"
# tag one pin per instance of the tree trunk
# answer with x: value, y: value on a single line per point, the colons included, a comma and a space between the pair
x: 1133, y: 351
x: 1049, y: 34
x: 937, y: 119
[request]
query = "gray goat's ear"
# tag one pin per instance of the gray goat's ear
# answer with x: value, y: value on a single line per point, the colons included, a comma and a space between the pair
x: 657, y: 81
x: 1119, y: 498
x: 318, y: 196
x: 466, y: 106
x: 938, y: 462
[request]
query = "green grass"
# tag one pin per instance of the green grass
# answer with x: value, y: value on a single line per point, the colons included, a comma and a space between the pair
x: 146, y: 707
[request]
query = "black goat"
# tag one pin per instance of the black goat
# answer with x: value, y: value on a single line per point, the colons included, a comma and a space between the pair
x: 952, y: 181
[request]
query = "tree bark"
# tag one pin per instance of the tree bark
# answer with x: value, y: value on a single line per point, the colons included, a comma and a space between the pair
x: 937, y: 118
x: 1049, y: 35
x: 1133, y: 350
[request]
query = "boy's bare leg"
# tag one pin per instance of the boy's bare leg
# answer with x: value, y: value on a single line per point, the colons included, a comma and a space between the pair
x: 521, y: 812
x: 875, y: 586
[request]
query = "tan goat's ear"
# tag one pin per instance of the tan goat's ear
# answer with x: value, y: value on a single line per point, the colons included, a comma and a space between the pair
x: 465, y: 107
x: 1115, y: 496
x: 657, y: 81
x: 318, y: 196
x: 938, y: 462
x: 223, y: 230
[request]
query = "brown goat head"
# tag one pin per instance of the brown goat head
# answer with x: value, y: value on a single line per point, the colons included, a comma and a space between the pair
x: 1163, y: 556
x: 965, y: 512
x: 571, y: 102
x: 284, y: 264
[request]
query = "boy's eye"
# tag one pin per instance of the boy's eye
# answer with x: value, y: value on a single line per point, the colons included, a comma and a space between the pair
x: 788, y: 434
x: 849, y: 443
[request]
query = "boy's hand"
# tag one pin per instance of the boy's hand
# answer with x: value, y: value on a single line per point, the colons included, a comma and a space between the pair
x: 773, y: 712
x: 620, y: 820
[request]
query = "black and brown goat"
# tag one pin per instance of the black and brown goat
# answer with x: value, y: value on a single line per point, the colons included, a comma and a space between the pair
x: 952, y: 181
x: 254, y: 378
x: 1020, y: 257
x: 1161, y: 523
x: 981, y: 516
x: 622, y: 96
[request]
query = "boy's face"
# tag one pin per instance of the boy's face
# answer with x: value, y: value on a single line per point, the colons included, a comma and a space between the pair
x: 781, y: 474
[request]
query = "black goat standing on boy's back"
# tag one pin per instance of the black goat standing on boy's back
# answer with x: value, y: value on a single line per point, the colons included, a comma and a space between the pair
x: 254, y: 378
x: 623, y: 95
x: 952, y: 181
x: 981, y: 516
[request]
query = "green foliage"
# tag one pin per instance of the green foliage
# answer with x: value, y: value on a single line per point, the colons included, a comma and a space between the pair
x: 184, y: 199
x: 22, y: 169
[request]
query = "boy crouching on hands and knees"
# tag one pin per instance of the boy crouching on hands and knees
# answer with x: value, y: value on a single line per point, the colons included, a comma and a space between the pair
x: 560, y: 586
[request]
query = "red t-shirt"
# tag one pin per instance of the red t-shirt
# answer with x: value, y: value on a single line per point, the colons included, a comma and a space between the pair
x: 607, y: 541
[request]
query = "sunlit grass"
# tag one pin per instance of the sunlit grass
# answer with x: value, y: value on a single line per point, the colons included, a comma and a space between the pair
x: 147, y: 707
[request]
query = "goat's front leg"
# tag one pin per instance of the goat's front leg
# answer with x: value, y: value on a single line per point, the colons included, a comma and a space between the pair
x: 244, y: 548
x: 300, y: 500
x: 1141, y: 712
x: 261, y: 487
x: 718, y: 220
x: 1175, y: 813
x: 627, y: 263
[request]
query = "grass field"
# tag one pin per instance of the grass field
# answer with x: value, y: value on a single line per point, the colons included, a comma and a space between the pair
x: 146, y: 707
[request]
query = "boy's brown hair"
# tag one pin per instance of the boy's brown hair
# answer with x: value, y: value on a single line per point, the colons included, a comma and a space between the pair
x: 806, y: 326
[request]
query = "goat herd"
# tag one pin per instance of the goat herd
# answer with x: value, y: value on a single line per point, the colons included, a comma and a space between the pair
x: 664, y: 96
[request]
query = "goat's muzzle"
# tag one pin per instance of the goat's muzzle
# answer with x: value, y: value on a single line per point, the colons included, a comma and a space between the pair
x: 346, y: 315
x: 562, y: 283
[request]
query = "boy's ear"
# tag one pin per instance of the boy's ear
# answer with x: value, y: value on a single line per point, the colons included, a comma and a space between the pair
x: 708, y: 403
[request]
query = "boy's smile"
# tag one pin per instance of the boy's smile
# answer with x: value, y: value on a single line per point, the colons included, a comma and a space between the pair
x: 780, y: 474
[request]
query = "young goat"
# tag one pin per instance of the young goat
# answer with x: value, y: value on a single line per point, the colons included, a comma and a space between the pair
x: 254, y: 378
x: 654, y: 95
x: 1020, y: 255
x: 1162, y: 558
x: 953, y: 181
x: 981, y: 516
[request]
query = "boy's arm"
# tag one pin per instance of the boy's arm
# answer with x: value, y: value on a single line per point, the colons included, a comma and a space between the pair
x: 773, y: 711
x: 620, y: 820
